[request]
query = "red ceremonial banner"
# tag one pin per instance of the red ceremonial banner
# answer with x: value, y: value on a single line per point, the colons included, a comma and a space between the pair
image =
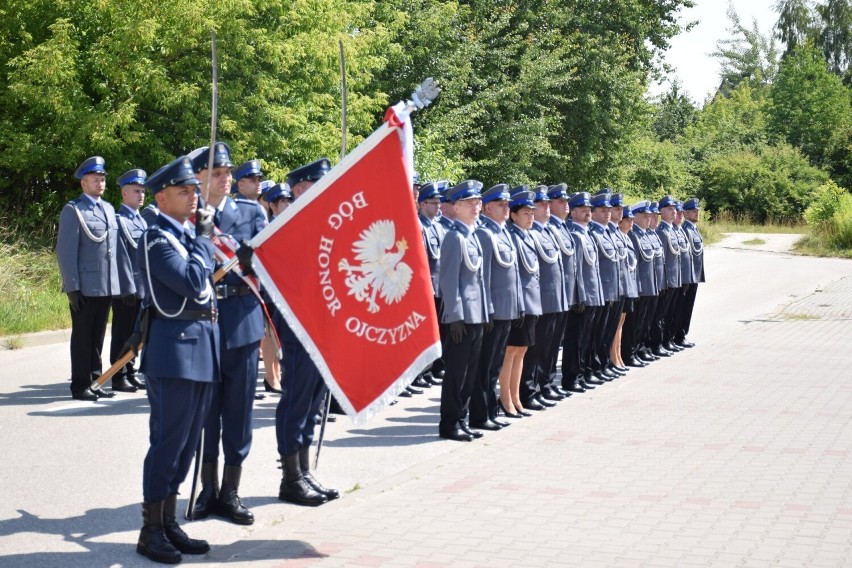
x: 346, y: 267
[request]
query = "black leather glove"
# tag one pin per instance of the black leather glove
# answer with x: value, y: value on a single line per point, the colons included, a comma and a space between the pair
x: 578, y: 308
x: 129, y: 300
x: 457, y: 331
x: 519, y: 323
x: 244, y: 255
x: 489, y: 326
x: 76, y: 300
x: 204, y: 222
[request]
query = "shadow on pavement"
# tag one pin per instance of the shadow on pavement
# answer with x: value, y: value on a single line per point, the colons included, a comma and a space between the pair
x: 407, y: 435
x: 277, y: 550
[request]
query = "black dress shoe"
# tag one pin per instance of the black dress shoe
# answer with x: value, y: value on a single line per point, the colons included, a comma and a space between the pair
x: 524, y: 413
x: 660, y: 352
x: 533, y: 404
x: 438, y: 374
x: 672, y: 347
x: 634, y: 362
x: 405, y: 393
x: 645, y: 358
x: 413, y: 390
x: 685, y: 343
x: 466, y: 429
x: 560, y: 391
x: 269, y: 388
x: 87, y: 394
x: 103, y: 394
x: 551, y: 396
x: 487, y: 425
x: 121, y: 384
x: 594, y: 382
x: 136, y: 381
x: 421, y: 382
x: 609, y: 374
x: 432, y: 380
x: 500, y: 423
x: 619, y: 369
x: 503, y: 410
x: 542, y: 400
x: 457, y: 435
x: 577, y: 389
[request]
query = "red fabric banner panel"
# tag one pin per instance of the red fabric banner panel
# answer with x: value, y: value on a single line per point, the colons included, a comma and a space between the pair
x: 351, y: 276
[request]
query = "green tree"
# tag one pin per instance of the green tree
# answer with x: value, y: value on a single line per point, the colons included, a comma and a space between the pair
x: 810, y: 108
x: 674, y: 112
x: 835, y: 35
x: 795, y: 23
x: 130, y: 80
x: 748, y: 56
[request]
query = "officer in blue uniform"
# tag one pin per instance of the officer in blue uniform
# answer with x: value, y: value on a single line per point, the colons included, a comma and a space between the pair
x: 626, y: 280
x: 429, y: 204
x: 181, y: 355
x: 609, y: 269
x: 637, y: 323
x: 506, y: 304
x: 241, y: 328
x: 560, y: 224
x: 279, y: 198
x: 671, y: 256
x: 535, y: 389
x: 578, y: 349
x: 87, y: 249
x: 248, y: 177
x: 691, y: 213
x: 126, y: 308
x: 464, y: 310
x: 303, y: 389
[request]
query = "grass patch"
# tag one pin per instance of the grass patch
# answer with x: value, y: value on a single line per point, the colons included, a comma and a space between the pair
x: 799, y: 317
x: 13, y: 343
x: 754, y: 242
x: 32, y: 299
x: 819, y: 245
x: 727, y: 222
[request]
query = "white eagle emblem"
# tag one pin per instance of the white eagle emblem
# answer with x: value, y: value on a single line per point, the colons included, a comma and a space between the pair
x: 381, y: 271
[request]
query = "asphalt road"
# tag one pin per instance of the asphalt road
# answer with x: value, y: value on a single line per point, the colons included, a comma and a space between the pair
x: 71, y: 471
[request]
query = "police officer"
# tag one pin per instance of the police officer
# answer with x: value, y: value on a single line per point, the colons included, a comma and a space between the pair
x: 433, y: 232
x: 560, y: 223
x: 464, y: 310
x: 636, y: 323
x: 279, y: 198
x: 578, y: 349
x: 241, y: 328
x: 126, y: 309
x: 668, y: 291
x: 248, y: 177
x: 536, y: 393
x: 691, y: 213
x: 604, y: 331
x: 87, y: 248
x: 303, y: 389
x: 686, y: 277
x: 626, y: 278
x: 503, y: 282
x: 181, y: 356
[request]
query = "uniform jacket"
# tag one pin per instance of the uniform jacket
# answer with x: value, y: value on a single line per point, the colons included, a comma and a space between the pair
x: 177, y: 269
x: 240, y: 317
x: 607, y: 260
x: 150, y: 213
x: 528, y: 269
x: 554, y: 296
x: 687, y: 276
x: 671, y: 254
x: 659, y: 259
x: 646, y: 274
x: 696, y: 246
x: 590, y: 271
x: 619, y: 239
x: 433, y: 235
x: 87, y: 249
x: 630, y: 265
x: 500, y: 266
x: 462, y: 282
x: 130, y: 228
x: 570, y: 260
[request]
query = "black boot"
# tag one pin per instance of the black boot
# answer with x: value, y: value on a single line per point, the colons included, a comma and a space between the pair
x: 205, y: 503
x: 228, y: 504
x: 294, y: 488
x: 175, y: 534
x: 152, y: 538
x: 305, y: 466
x: 136, y: 380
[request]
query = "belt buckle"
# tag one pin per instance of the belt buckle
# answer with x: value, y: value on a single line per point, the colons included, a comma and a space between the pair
x: 221, y: 292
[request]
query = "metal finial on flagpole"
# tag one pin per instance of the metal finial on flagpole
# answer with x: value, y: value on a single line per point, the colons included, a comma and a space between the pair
x: 423, y: 95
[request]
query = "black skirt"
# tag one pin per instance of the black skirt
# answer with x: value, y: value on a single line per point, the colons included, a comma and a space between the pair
x: 523, y: 335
